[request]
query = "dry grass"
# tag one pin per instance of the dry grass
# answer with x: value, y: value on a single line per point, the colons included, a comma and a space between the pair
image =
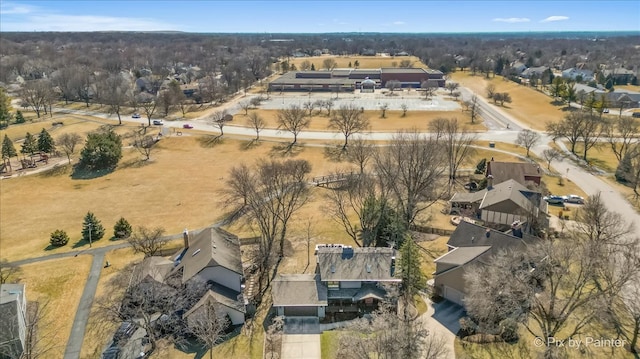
x: 600, y: 156
x: 59, y: 283
x: 365, y: 62
x: 179, y: 187
x: 628, y: 88
x: 529, y: 106
x: 393, y: 120
x: 99, y: 332
x: 434, y: 249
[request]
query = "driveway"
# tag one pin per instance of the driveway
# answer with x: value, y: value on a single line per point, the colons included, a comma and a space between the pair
x: 442, y: 321
x: 300, y: 346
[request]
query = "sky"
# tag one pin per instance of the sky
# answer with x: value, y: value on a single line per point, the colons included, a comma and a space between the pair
x: 309, y: 16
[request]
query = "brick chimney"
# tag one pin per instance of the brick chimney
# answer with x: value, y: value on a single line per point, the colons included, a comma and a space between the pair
x: 185, y: 237
x: 490, y: 182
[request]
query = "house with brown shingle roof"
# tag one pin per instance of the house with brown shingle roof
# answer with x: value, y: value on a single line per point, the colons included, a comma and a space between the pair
x: 522, y: 172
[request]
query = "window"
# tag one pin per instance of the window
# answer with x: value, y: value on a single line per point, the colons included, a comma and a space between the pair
x: 333, y: 285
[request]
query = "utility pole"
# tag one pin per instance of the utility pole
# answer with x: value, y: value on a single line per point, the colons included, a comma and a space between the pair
x: 90, y: 235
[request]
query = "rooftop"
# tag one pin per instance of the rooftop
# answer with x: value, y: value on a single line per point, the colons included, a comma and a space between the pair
x: 298, y: 290
x: 473, y: 235
x: 462, y: 255
x: 503, y: 171
x: 211, y: 247
x: 10, y: 292
x: 356, y: 264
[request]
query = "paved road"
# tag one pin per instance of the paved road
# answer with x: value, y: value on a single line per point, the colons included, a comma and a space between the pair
x: 74, y: 345
x: 300, y: 346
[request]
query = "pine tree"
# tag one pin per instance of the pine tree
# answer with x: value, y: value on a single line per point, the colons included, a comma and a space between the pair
x: 29, y: 146
x: 122, y: 229
x: 413, y: 280
x: 45, y: 142
x: 92, y: 225
x: 8, y: 151
x: 59, y: 238
x: 5, y: 109
x: 20, y: 117
x: 313, y: 67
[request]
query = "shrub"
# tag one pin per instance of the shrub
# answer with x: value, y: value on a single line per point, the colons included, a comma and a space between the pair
x: 19, y: 117
x: 59, y: 238
x: 467, y: 327
x: 509, y: 330
x: 122, y: 229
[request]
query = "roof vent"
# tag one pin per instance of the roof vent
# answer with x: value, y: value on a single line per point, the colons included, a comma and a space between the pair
x: 333, y: 268
x: 472, y: 239
x: 488, y: 233
x: 368, y: 268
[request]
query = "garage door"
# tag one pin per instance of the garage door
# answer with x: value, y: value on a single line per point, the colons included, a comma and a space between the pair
x: 453, y: 295
x: 301, y: 311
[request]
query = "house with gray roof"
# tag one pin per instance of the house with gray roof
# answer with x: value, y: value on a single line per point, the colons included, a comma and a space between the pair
x: 225, y: 303
x: 471, y: 243
x: 13, y: 320
x: 575, y: 74
x: 502, y: 204
x: 534, y: 72
x: 347, y: 280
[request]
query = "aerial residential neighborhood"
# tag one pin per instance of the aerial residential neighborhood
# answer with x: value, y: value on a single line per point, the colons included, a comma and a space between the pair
x: 318, y: 181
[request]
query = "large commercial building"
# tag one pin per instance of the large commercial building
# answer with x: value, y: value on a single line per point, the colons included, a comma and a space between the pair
x: 341, y: 80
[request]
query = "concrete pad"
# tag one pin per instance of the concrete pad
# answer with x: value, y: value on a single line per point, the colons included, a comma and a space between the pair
x: 300, y: 346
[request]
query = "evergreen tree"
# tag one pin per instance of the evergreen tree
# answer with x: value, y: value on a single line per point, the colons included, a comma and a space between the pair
x: 413, y: 280
x: 59, y: 238
x: 29, y: 146
x: 19, y: 117
x: 5, y: 109
x: 93, y: 225
x: 8, y: 150
x: 102, y: 151
x: 313, y: 67
x: 122, y: 229
x: 46, y: 143
x: 624, y: 169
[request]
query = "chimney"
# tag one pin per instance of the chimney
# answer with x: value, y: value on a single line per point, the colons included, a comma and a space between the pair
x: 185, y: 237
x: 490, y: 182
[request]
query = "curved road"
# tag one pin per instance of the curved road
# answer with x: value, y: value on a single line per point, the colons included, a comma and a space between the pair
x: 502, y: 127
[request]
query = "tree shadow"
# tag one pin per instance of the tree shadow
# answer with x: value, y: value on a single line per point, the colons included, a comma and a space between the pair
x: 82, y: 242
x: 249, y: 145
x: 82, y: 174
x: 56, y: 170
x: 134, y: 163
x: 209, y: 141
x: 51, y: 247
x: 334, y: 153
x: 285, y: 150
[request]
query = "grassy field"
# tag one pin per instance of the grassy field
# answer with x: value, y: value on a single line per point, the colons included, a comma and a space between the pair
x: 530, y: 107
x: 365, y: 62
x: 393, y: 120
x: 329, y: 344
x: 179, y: 187
x: 57, y: 284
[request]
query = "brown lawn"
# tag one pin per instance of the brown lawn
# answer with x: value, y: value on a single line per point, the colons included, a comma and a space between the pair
x: 393, y: 120
x: 529, y: 106
x: 58, y: 284
x: 179, y: 187
x: 365, y: 62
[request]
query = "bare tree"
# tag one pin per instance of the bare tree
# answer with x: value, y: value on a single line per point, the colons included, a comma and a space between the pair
x: 404, y: 108
x: 570, y: 128
x: 473, y: 107
x: 147, y: 240
x: 68, y: 142
x: 452, y: 86
x: 429, y: 88
x: 148, y: 103
x: 310, y: 106
x: 143, y: 142
x: 622, y: 314
x: 527, y: 139
x: 349, y: 200
x: 383, y: 110
x: 115, y: 93
x: 621, y: 136
x: 491, y: 90
x: 329, y: 64
x: 40, y: 332
x: 348, y: 120
x: 591, y: 131
x: 294, y: 120
x: 456, y: 143
x: 218, y: 120
x: 35, y: 93
x: 8, y: 272
x: 409, y: 169
x: 207, y: 324
x: 256, y: 122
x: 551, y: 154
x: 269, y: 196
x: 245, y: 106
x: 393, y: 85
x: 359, y: 153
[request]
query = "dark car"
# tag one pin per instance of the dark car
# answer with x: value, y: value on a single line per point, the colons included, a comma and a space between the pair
x: 157, y: 122
x: 187, y: 125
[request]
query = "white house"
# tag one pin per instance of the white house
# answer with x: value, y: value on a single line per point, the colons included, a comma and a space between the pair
x: 573, y: 74
x: 13, y: 320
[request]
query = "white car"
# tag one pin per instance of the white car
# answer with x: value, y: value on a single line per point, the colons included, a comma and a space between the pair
x: 135, y: 115
x: 572, y: 198
x: 157, y: 122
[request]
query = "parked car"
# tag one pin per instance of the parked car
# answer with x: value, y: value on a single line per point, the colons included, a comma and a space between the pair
x: 554, y: 199
x: 572, y: 198
x: 187, y: 125
x: 606, y: 110
x: 157, y: 122
x: 135, y: 115
x: 636, y: 114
